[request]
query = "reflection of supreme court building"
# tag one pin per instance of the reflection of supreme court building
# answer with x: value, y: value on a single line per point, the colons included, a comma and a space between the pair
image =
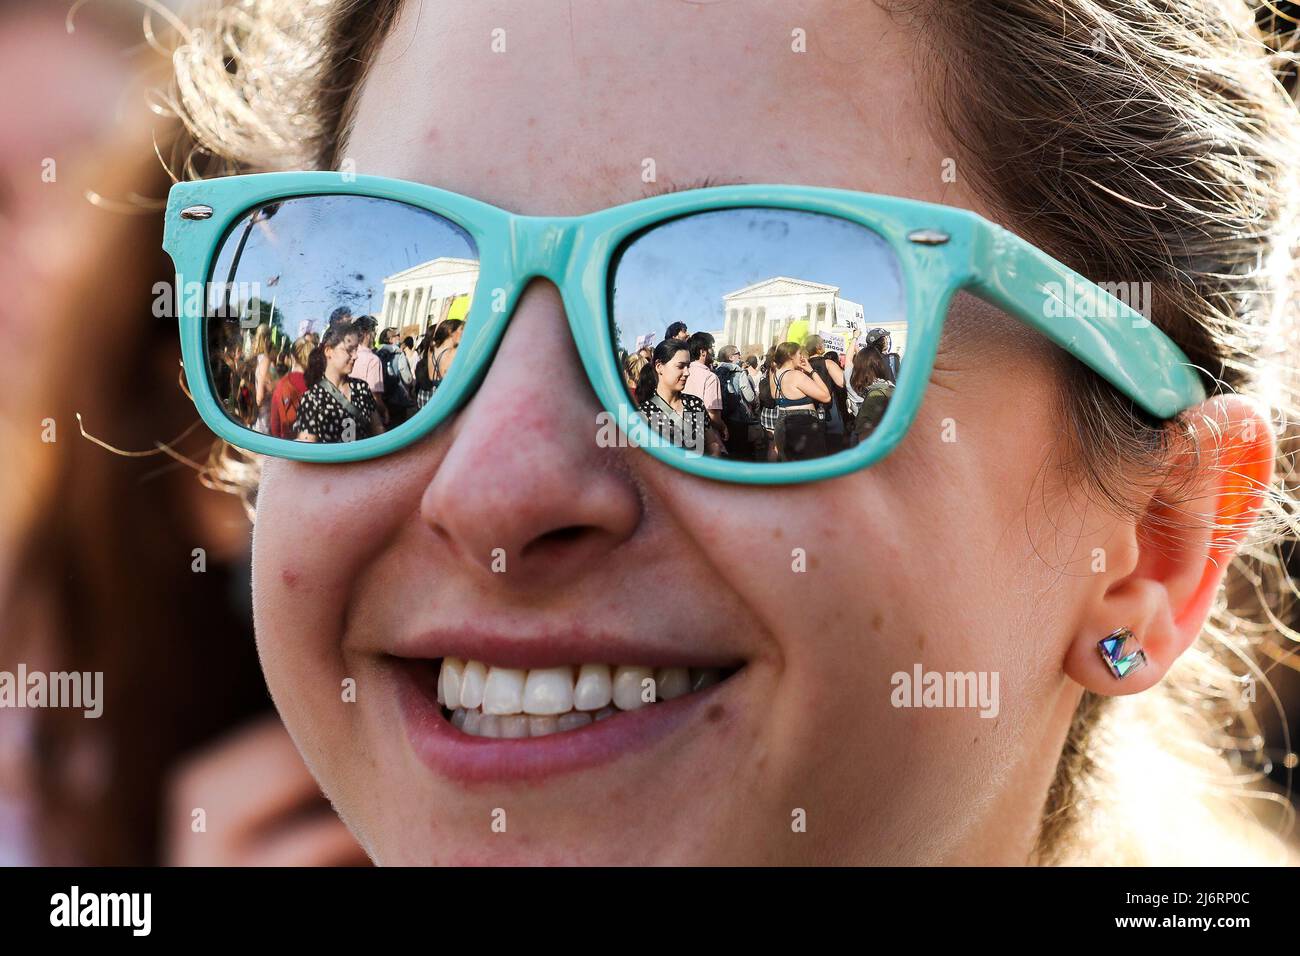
x: 761, y: 315
x: 424, y: 295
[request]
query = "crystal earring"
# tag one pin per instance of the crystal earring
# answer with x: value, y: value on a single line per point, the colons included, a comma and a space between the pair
x: 1121, y: 652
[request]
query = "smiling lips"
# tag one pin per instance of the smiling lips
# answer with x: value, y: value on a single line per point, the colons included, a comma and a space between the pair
x: 484, y: 706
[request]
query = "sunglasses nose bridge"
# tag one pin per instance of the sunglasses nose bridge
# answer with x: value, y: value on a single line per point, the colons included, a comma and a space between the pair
x: 541, y: 246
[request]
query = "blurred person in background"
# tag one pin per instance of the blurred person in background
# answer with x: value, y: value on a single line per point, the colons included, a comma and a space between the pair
x: 128, y: 566
x: 61, y: 93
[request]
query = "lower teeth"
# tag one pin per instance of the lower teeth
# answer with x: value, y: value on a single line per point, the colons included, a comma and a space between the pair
x: 478, y: 724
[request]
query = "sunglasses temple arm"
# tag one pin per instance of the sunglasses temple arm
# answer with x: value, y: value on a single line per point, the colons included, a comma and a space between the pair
x: 1090, y: 322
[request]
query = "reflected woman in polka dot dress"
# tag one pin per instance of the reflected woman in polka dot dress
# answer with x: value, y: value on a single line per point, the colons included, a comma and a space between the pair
x: 336, y: 408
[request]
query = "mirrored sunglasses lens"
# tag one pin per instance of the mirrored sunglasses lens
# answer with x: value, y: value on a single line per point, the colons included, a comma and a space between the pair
x: 335, y: 318
x: 759, y: 335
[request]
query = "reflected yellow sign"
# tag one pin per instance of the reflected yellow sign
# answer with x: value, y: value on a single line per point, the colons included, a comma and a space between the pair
x: 459, y: 308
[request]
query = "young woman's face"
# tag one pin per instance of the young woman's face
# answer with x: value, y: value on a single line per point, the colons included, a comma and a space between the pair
x: 672, y: 374
x: 511, y: 536
x: 343, y: 356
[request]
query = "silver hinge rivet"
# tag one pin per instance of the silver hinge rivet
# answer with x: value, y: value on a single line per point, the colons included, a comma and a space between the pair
x: 928, y: 237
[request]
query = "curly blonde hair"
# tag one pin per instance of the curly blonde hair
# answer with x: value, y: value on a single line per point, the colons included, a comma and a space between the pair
x: 1145, y: 140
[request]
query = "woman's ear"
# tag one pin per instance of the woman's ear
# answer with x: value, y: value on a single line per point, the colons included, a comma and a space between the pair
x: 1173, y: 558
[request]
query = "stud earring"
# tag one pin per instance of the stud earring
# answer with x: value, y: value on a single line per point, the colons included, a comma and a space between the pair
x: 1121, y: 652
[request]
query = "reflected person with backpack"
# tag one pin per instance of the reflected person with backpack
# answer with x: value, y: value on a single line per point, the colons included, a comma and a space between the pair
x: 399, y: 381
x: 746, y: 437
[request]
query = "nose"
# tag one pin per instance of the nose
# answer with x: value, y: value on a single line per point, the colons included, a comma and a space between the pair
x: 523, y: 491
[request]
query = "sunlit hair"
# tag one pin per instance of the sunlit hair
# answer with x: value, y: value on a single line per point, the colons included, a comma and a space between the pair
x: 632, y: 365
x: 262, y: 344
x: 302, y: 350
x: 1136, y: 140
x: 1150, y: 141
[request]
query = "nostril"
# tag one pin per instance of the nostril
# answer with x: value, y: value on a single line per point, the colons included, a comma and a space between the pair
x: 564, y: 535
x: 556, y: 539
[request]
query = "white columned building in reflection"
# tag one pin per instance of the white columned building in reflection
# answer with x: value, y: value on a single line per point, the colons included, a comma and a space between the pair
x: 424, y: 295
x: 759, y: 315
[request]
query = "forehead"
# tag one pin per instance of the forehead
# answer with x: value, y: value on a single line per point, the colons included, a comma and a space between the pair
x: 559, y: 109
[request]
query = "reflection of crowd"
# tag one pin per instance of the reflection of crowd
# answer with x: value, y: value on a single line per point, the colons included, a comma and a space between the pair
x: 801, y: 401
x: 345, y: 385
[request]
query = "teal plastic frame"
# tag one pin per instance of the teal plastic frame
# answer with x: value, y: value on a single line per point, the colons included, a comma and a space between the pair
x: 940, y: 250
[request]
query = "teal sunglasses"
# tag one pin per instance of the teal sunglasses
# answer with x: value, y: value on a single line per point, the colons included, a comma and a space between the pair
x: 285, y: 264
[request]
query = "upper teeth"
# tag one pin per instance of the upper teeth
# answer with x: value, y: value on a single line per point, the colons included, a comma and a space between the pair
x: 553, y: 691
